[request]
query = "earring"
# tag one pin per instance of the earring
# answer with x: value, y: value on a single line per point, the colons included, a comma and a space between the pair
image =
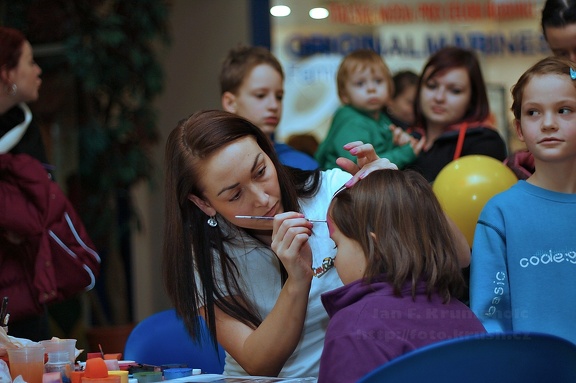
x: 212, y: 221
x: 12, y: 89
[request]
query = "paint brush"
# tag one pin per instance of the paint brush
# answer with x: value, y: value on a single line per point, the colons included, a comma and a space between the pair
x: 271, y: 218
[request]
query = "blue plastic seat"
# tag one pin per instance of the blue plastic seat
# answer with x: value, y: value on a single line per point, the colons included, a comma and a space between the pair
x: 162, y: 339
x: 508, y: 357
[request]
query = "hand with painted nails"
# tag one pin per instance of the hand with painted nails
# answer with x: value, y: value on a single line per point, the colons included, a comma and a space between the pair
x: 367, y: 161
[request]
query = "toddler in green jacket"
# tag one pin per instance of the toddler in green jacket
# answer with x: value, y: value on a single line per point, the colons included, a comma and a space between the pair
x: 365, y: 86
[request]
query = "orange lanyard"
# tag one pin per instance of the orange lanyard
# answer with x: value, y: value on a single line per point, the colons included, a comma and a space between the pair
x: 460, y: 142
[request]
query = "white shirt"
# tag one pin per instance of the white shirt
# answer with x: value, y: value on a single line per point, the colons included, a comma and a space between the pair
x: 259, y: 269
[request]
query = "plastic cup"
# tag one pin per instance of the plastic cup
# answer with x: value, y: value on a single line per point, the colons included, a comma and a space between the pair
x: 57, y: 345
x: 59, y: 362
x: 112, y: 364
x: 27, y: 361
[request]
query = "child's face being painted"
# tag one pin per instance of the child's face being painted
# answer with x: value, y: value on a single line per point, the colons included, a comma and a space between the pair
x: 548, y: 118
x: 350, y: 261
x: 367, y: 89
x: 259, y: 98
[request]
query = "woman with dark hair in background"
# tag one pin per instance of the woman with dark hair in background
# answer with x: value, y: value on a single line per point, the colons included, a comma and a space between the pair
x: 453, y: 113
x: 20, y: 82
x: 559, y: 27
x: 45, y: 253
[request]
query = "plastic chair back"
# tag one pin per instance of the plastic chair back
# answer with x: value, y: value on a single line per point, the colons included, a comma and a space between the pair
x: 162, y: 339
x: 506, y: 357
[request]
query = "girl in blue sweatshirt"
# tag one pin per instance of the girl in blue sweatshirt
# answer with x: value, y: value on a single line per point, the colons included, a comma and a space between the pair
x: 523, y: 271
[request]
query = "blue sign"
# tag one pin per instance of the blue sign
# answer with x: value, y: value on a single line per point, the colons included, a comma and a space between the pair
x: 515, y: 43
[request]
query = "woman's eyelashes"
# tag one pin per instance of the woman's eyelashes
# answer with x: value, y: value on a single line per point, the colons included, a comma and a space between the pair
x: 260, y: 173
x: 235, y: 197
x: 451, y: 89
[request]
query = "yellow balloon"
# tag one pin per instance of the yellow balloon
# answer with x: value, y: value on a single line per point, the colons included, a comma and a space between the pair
x: 465, y: 185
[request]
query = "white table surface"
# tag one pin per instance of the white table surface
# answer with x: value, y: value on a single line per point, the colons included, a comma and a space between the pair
x: 216, y: 378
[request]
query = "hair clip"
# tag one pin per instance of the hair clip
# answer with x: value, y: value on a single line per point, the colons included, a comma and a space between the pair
x: 572, y: 74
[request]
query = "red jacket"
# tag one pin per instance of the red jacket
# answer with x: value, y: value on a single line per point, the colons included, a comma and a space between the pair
x: 46, y: 254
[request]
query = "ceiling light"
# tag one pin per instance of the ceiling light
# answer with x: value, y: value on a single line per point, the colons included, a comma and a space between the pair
x: 318, y: 13
x: 280, y: 10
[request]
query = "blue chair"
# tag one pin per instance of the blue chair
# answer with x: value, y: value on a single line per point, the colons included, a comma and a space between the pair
x: 507, y: 357
x: 162, y: 339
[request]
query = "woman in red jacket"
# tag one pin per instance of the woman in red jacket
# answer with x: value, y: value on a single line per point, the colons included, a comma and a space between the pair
x: 41, y: 237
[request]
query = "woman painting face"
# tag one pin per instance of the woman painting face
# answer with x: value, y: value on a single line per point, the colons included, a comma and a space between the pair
x: 445, y: 97
x: 240, y: 179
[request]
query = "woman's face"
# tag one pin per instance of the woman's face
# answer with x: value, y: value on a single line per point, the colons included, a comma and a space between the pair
x: 240, y: 179
x: 562, y: 40
x: 445, y: 97
x: 26, y: 76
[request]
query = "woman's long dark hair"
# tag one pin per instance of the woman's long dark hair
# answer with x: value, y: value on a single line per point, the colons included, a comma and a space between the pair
x: 11, y: 43
x: 558, y: 14
x: 190, y: 243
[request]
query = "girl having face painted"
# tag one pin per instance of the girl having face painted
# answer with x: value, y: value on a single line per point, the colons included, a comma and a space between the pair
x: 397, y: 258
